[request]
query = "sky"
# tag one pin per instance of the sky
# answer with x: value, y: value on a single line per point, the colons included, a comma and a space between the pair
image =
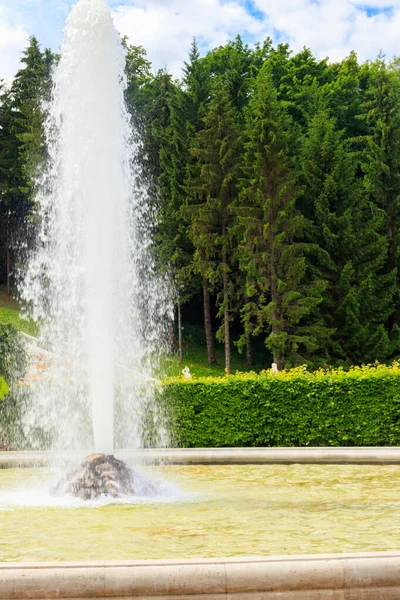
x: 331, y: 28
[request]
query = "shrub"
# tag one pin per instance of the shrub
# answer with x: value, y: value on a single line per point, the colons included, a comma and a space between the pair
x: 12, y: 368
x: 12, y: 353
x: 3, y: 388
x: 359, y: 407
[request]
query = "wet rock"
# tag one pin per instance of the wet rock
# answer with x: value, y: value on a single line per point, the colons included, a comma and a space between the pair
x: 98, y: 475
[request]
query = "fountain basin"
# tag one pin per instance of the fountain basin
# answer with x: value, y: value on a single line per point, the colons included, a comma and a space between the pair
x: 205, y: 510
x: 313, y: 520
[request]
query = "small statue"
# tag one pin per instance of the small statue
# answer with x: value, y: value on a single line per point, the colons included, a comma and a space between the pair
x: 274, y: 368
x: 186, y: 373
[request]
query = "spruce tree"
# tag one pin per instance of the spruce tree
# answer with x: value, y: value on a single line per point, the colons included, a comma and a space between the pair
x: 174, y: 248
x: 196, y: 84
x: 282, y: 299
x: 349, y: 250
x: 217, y: 152
x: 22, y: 145
x: 381, y: 165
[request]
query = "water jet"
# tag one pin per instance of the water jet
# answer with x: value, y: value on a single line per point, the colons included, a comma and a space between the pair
x: 90, y: 281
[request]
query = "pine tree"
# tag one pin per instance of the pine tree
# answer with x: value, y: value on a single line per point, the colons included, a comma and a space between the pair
x: 381, y: 165
x: 174, y: 248
x: 237, y: 65
x: 21, y: 143
x: 196, y: 85
x: 217, y: 153
x: 281, y: 297
x: 351, y: 251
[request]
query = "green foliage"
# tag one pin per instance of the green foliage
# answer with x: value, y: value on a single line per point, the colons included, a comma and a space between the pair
x: 359, y: 407
x: 273, y: 181
x: 217, y: 151
x: 381, y: 164
x: 350, y: 250
x: 270, y: 231
x: 3, y: 388
x: 22, y: 147
x: 12, y: 353
x: 12, y: 367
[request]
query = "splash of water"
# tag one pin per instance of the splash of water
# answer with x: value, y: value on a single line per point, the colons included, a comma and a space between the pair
x: 90, y: 281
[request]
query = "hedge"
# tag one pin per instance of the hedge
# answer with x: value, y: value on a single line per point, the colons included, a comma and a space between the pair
x: 3, y: 388
x: 359, y: 407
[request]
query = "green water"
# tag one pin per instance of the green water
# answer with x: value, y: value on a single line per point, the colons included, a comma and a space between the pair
x: 231, y: 511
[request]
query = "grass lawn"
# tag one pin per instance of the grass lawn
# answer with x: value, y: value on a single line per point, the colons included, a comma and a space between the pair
x: 195, y: 357
x: 10, y: 313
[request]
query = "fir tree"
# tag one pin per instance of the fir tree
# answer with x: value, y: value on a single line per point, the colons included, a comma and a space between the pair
x: 196, y: 84
x: 281, y: 298
x: 382, y: 167
x: 217, y: 153
x: 351, y: 252
x: 22, y: 145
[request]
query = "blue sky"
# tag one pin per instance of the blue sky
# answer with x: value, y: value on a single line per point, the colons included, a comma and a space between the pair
x: 166, y: 27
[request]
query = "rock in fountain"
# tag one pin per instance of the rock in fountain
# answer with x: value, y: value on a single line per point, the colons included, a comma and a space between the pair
x: 98, y: 475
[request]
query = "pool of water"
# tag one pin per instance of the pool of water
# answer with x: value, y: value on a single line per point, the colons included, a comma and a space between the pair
x: 207, y: 511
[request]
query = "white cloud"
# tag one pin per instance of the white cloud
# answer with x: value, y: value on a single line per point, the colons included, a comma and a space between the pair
x: 334, y: 27
x: 13, y: 37
x: 166, y: 29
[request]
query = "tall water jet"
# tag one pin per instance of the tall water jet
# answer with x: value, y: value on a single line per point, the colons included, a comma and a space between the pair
x: 90, y: 282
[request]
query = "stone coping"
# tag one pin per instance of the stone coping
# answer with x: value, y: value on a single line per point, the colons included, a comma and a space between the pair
x: 314, y: 455
x: 366, y: 576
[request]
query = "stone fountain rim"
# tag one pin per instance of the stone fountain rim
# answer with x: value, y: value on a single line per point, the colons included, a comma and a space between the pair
x: 221, y: 456
x: 296, y: 577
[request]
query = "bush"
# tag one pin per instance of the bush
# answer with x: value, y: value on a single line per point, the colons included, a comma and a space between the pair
x: 12, y: 353
x: 13, y: 362
x: 3, y: 388
x: 359, y: 407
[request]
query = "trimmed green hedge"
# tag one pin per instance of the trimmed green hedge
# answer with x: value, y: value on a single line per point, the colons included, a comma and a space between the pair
x: 3, y: 388
x: 360, y: 407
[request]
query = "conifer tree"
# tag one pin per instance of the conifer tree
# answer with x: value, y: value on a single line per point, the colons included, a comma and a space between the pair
x: 282, y: 298
x: 351, y: 251
x: 237, y: 65
x: 21, y: 143
x: 217, y: 152
x: 174, y: 248
x: 382, y: 167
x: 196, y: 85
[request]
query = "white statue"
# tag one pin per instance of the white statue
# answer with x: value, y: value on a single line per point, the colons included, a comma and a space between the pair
x: 274, y: 368
x: 186, y: 373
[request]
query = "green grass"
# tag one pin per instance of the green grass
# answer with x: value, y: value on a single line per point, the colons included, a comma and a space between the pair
x: 10, y: 313
x: 195, y: 357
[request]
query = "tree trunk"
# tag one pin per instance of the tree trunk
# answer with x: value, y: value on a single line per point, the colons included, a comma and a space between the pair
x: 227, y: 337
x: 171, y: 335
x: 9, y: 271
x: 180, y: 350
x: 208, y: 325
x: 249, y: 351
x: 277, y: 357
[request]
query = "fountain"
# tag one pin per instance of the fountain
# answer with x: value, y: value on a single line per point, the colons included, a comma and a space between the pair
x: 91, y: 286
x: 90, y: 281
